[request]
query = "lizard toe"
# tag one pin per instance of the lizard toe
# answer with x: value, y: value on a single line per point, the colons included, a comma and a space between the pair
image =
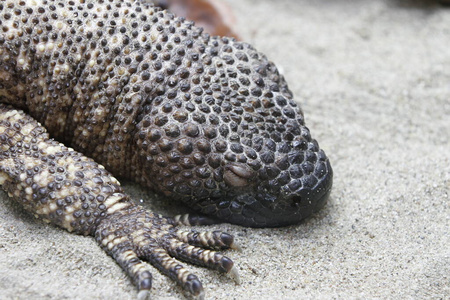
x: 134, y: 236
x: 208, y: 239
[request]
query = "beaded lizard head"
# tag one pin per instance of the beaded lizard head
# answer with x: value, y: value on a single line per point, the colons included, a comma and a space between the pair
x: 224, y: 134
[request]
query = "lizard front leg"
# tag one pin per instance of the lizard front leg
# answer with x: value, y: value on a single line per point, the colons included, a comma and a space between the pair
x: 66, y: 188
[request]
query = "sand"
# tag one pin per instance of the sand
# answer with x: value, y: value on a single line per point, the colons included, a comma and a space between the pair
x: 373, y: 79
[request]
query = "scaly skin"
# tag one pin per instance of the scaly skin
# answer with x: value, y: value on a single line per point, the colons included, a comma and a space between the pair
x: 205, y: 120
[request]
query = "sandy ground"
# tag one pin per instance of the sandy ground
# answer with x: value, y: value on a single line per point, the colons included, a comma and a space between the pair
x: 373, y: 78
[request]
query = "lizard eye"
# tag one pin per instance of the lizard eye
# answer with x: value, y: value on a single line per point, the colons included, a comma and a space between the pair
x: 238, y: 175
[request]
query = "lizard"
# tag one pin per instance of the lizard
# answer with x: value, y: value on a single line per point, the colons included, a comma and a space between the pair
x: 94, y: 90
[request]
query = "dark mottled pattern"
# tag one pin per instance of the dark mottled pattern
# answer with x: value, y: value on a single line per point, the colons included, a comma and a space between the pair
x: 205, y: 120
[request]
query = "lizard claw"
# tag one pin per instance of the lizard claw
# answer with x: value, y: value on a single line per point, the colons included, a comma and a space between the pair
x: 234, y: 274
x: 134, y: 236
x: 143, y: 295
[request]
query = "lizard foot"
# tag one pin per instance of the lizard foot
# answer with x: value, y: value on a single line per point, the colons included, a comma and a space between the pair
x: 133, y: 235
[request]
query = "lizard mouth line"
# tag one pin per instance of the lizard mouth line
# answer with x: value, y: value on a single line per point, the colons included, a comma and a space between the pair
x: 267, y: 209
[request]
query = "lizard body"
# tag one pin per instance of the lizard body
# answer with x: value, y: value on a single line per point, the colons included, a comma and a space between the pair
x: 205, y: 120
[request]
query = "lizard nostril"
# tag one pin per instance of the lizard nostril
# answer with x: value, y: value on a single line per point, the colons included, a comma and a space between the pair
x: 296, y: 200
